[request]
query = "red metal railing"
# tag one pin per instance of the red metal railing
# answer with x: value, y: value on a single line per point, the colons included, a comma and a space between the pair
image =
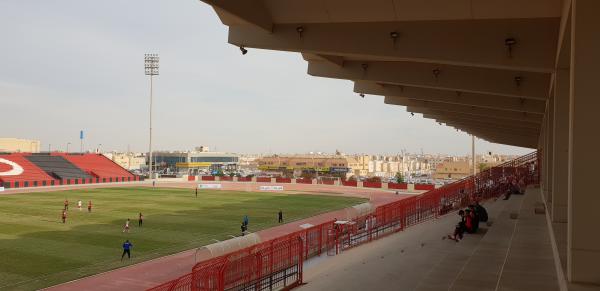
x: 277, y: 263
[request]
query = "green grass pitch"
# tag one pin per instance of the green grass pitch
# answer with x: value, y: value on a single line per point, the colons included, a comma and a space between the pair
x: 38, y: 250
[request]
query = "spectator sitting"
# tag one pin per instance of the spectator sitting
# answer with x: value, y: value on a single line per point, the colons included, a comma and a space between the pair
x: 459, y: 230
x: 513, y: 188
x: 475, y: 218
x: 481, y: 212
x: 469, y: 227
x: 522, y: 185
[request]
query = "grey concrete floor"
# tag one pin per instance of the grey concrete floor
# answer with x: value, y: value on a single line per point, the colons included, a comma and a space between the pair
x: 511, y: 254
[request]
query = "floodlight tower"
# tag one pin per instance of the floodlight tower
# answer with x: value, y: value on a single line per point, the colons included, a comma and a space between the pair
x: 151, y: 69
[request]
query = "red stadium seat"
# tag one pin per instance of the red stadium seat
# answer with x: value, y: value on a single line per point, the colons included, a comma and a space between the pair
x: 99, y: 167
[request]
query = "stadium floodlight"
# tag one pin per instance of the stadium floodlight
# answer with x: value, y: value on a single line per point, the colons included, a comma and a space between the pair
x: 151, y: 69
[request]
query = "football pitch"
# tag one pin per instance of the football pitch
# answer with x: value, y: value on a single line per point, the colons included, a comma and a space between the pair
x: 37, y: 250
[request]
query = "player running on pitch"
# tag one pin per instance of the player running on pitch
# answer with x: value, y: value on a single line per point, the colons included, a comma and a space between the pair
x: 126, y: 227
x: 79, y: 205
x: 140, y: 220
x: 90, y: 206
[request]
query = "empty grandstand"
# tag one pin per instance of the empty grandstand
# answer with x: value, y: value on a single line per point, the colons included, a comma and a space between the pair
x: 32, y: 170
x: 57, y: 167
x: 100, y: 167
x: 17, y: 171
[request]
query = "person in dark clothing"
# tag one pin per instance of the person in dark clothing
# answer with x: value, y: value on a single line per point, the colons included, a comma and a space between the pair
x: 196, y: 192
x: 140, y: 220
x: 513, y: 188
x: 280, y: 214
x: 246, y: 220
x: 64, y: 216
x: 243, y: 229
x: 459, y: 230
x: 481, y: 212
x: 126, y: 249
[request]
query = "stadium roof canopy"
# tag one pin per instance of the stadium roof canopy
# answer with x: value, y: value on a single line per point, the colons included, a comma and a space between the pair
x: 452, y: 61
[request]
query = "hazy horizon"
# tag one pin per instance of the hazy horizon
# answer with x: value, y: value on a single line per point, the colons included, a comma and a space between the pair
x: 78, y: 65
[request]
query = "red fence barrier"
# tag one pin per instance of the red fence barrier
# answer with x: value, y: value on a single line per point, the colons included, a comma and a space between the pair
x: 277, y: 263
x: 244, y: 179
x: 263, y: 180
x: 226, y: 178
x: 304, y: 181
x: 191, y: 178
x: 400, y: 186
x: 371, y: 184
x: 328, y: 182
x: 208, y: 178
x: 283, y: 180
x: 426, y: 187
x: 349, y: 183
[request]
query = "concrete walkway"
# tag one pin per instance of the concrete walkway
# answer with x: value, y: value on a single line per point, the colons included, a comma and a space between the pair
x: 511, y: 254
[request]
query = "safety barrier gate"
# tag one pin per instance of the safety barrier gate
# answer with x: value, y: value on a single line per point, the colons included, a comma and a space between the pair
x: 277, y: 264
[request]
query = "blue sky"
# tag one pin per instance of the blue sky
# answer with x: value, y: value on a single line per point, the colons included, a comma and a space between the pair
x: 67, y: 65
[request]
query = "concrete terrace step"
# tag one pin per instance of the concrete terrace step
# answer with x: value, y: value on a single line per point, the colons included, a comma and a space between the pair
x: 509, y: 255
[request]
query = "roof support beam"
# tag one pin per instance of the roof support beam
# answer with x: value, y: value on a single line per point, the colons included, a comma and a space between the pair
x: 252, y: 12
x: 331, y: 59
x: 442, y: 96
x: 471, y: 117
x: 504, y: 123
x: 443, y: 77
x: 524, y: 143
x: 494, y: 128
x: 480, y: 43
x: 464, y: 109
x: 509, y: 139
x: 334, y: 60
x: 504, y: 139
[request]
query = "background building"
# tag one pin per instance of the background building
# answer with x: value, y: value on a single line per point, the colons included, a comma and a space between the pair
x: 129, y: 161
x: 12, y: 145
x: 297, y: 165
x: 195, y: 162
x: 454, y: 170
x: 359, y: 165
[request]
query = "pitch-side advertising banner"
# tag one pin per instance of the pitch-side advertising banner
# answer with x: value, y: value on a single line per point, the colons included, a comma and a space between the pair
x: 209, y: 186
x: 271, y: 188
